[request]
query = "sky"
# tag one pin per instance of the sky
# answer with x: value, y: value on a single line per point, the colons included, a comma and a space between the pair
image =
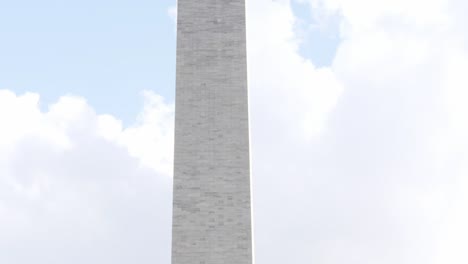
x: 359, y: 135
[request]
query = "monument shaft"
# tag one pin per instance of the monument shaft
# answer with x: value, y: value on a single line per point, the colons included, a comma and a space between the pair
x: 212, y: 203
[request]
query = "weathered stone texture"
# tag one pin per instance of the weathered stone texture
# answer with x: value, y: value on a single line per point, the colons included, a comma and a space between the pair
x: 212, y: 205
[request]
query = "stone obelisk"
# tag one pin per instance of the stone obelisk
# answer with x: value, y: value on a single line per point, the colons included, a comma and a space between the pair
x: 212, y: 201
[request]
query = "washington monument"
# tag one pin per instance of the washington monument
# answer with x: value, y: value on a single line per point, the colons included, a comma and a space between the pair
x: 212, y: 202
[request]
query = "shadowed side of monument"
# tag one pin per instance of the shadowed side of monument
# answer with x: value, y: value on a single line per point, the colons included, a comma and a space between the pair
x: 212, y: 203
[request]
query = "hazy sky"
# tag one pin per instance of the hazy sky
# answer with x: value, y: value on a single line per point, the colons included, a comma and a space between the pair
x: 359, y: 130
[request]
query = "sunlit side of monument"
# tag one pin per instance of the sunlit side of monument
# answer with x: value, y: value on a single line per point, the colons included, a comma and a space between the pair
x: 212, y: 202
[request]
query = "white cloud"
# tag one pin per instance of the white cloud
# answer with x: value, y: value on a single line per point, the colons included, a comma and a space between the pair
x: 384, y: 180
x: 76, y: 187
x: 151, y: 138
x: 366, y: 15
x: 282, y: 82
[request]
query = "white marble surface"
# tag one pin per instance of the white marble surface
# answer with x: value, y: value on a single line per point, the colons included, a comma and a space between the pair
x: 212, y: 205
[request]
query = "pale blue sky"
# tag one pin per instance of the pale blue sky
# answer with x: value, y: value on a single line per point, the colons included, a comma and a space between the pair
x: 321, y: 38
x: 106, y: 51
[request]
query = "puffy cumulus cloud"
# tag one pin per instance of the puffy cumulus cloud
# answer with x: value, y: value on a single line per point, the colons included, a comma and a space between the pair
x: 151, y: 138
x: 365, y: 15
x: 385, y: 181
x: 283, y: 83
x: 78, y: 187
